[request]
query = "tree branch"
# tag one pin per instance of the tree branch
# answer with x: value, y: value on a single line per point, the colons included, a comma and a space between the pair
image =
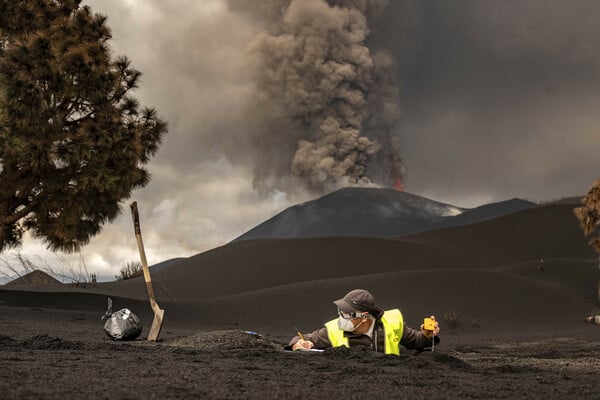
x: 12, y: 218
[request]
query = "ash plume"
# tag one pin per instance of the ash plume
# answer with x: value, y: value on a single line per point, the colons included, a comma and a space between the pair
x: 329, y: 104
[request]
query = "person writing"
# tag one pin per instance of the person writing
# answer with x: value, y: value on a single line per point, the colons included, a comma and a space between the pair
x: 362, y: 323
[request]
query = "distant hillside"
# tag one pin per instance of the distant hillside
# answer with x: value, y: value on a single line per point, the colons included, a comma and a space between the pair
x: 165, y: 264
x: 483, y: 213
x: 376, y: 213
x: 355, y: 212
x: 574, y: 200
x: 36, y: 277
x: 522, y: 238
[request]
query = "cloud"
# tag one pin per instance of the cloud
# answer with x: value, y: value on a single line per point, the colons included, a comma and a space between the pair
x: 498, y: 100
x: 201, y: 195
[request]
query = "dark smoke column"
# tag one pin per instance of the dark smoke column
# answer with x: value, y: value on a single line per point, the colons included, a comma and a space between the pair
x: 318, y: 72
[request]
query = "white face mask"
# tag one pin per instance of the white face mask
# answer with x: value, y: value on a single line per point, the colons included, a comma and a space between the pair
x: 345, y: 324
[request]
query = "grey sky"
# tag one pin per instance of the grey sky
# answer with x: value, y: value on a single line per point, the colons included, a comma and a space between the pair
x: 499, y: 99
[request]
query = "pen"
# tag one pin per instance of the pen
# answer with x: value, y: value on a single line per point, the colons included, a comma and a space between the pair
x: 300, y: 334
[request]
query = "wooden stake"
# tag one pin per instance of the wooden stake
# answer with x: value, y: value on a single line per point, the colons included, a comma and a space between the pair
x: 158, y: 313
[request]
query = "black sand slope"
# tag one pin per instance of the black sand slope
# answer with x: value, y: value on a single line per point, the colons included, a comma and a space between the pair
x: 512, y: 326
x: 486, y: 275
x: 45, y: 366
x: 165, y: 264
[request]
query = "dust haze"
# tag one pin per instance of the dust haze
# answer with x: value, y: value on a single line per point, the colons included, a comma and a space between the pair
x: 466, y: 101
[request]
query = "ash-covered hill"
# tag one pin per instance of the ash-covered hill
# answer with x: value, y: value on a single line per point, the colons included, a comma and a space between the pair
x: 483, y: 213
x: 35, y: 277
x: 375, y: 213
x: 354, y: 212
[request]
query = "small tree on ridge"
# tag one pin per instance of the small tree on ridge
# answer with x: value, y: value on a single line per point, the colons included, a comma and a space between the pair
x: 589, y: 218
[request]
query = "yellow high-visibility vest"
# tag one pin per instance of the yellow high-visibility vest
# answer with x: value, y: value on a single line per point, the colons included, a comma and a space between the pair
x: 393, y: 327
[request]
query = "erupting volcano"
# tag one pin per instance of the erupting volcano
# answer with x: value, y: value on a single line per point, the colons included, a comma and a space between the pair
x: 397, y: 173
x: 318, y: 73
x: 398, y: 183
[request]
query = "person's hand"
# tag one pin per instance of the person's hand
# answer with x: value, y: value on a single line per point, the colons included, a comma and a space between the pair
x: 429, y: 333
x: 303, y: 344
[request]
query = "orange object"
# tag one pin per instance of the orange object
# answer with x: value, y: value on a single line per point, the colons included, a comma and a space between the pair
x: 429, y: 324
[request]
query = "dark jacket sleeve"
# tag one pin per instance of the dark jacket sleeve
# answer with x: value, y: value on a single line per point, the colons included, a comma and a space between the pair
x: 413, y: 339
x: 318, y: 337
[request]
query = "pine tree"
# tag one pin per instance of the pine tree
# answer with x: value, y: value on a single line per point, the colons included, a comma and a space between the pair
x: 73, y: 141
